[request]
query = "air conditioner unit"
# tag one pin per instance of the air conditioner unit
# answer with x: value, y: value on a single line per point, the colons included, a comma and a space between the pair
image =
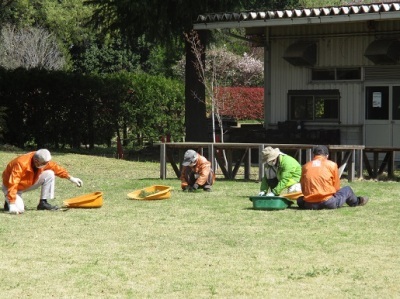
x: 383, y: 51
x: 302, y: 53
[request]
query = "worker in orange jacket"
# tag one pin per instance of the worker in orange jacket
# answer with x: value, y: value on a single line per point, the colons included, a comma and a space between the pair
x: 28, y: 172
x: 320, y: 184
x: 196, y: 172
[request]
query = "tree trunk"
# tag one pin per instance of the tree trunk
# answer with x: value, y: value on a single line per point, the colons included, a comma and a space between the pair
x: 195, y: 104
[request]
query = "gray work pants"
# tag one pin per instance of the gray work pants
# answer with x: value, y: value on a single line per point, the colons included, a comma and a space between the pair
x: 46, y: 180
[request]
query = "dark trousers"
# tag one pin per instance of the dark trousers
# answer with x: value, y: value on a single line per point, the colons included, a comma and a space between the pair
x: 344, y: 195
x: 191, y: 178
x: 272, y: 183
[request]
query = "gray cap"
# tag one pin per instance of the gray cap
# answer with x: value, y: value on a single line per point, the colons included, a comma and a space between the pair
x: 42, y: 155
x: 320, y: 150
x: 189, y: 157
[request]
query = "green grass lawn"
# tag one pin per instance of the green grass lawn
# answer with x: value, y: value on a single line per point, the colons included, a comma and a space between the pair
x: 196, y: 245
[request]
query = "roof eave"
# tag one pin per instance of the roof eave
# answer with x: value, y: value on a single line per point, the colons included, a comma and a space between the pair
x: 298, y: 21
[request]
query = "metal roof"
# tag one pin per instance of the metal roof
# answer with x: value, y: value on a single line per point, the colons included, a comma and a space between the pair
x: 332, y: 14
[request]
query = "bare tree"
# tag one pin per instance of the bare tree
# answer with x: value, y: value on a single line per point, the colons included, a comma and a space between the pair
x: 29, y: 48
x: 209, y: 80
x: 222, y: 68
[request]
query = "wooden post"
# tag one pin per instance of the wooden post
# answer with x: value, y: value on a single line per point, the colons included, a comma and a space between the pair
x: 260, y: 162
x: 163, y: 162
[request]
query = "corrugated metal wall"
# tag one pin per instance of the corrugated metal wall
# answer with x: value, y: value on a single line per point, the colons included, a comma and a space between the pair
x: 337, y: 48
x: 286, y: 77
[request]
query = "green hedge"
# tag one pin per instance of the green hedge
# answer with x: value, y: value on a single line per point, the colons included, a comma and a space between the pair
x: 59, y: 109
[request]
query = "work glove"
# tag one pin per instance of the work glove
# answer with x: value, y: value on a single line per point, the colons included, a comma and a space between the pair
x: 294, y: 188
x: 194, y: 187
x: 262, y: 193
x: 270, y: 194
x: 13, y: 209
x: 76, y: 181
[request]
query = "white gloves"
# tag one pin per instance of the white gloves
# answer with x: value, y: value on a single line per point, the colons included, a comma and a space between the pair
x: 262, y: 193
x: 76, y: 181
x: 294, y: 188
x: 13, y: 209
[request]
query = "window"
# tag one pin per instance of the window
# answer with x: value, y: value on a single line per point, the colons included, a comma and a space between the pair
x: 348, y: 73
x: 314, y: 105
x: 396, y: 103
x: 336, y: 74
x: 322, y: 74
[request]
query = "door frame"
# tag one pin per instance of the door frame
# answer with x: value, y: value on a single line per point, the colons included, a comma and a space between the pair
x: 380, y: 126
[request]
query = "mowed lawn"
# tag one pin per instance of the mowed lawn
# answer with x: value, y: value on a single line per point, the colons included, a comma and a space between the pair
x: 196, y: 245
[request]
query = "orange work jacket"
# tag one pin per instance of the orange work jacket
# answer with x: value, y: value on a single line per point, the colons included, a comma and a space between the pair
x: 202, y: 167
x: 319, y: 179
x: 20, y: 174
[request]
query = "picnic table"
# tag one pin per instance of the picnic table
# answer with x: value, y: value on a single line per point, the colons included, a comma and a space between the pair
x: 371, y: 160
x: 238, y: 154
x: 345, y: 157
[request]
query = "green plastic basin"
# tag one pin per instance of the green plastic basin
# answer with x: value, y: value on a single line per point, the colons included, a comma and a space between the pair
x: 270, y: 203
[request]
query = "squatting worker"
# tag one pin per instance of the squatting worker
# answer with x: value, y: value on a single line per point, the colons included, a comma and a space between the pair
x: 282, y: 173
x: 196, y: 172
x: 28, y: 172
x: 320, y: 184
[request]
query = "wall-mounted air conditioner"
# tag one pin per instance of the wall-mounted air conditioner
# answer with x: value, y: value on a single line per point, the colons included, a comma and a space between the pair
x: 383, y: 51
x: 301, y: 53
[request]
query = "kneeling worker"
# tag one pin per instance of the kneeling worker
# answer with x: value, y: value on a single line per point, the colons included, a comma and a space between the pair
x: 196, y: 172
x: 282, y: 173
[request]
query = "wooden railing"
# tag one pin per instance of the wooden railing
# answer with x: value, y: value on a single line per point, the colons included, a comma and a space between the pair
x: 238, y: 154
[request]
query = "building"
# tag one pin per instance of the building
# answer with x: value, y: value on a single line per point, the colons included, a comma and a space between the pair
x: 332, y: 68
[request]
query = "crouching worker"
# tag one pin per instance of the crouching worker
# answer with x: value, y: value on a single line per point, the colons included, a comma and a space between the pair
x: 196, y: 172
x: 28, y: 172
x: 282, y: 173
x: 320, y: 184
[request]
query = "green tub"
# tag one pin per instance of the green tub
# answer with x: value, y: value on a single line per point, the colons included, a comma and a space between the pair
x: 270, y: 203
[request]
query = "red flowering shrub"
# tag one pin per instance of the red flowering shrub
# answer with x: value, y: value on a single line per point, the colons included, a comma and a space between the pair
x: 241, y: 103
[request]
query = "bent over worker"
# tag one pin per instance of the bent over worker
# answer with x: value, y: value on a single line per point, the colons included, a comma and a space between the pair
x: 282, y: 173
x: 28, y: 172
x: 196, y: 172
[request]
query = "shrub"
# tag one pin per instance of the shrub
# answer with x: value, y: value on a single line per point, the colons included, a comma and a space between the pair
x: 241, y: 103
